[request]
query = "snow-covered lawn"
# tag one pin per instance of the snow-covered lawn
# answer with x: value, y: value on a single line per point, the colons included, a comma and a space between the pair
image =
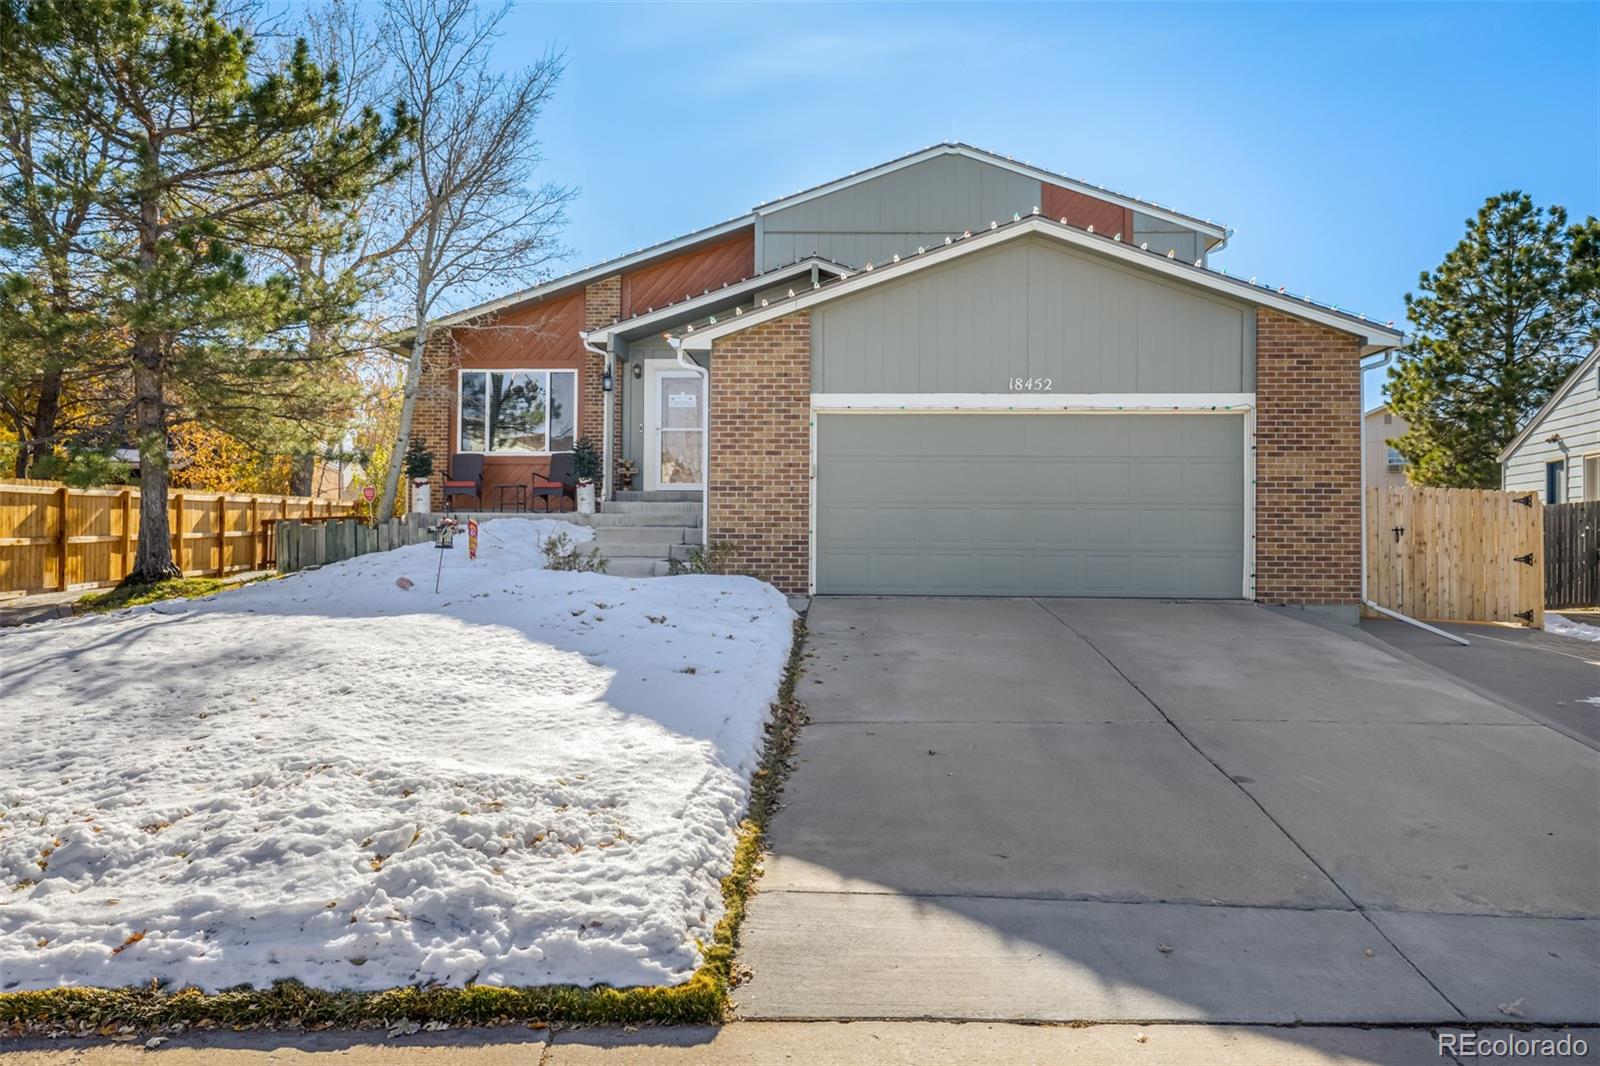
x: 532, y: 777
x: 1563, y: 626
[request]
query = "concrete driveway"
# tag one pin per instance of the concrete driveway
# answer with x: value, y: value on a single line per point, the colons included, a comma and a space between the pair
x: 1097, y: 810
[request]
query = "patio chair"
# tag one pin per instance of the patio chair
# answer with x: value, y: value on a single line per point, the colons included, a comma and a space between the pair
x: 560, y: 483
x: 465, y: 479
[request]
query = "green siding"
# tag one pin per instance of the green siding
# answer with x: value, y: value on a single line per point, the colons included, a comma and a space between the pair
x: 1033, y: 309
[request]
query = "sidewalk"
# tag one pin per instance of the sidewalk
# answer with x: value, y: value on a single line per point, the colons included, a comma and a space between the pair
x: 812, y: 1043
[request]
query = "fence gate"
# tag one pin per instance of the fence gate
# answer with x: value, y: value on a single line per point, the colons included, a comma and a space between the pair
x: 1456, y: 555
x: 1572, y: 554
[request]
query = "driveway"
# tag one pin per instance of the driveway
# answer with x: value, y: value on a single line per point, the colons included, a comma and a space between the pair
x: 1099, y: 810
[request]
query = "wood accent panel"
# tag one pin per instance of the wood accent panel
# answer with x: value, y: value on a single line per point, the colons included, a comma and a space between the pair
x: 538, y: 335
x: 707, y: 266
x: 1085, y: 211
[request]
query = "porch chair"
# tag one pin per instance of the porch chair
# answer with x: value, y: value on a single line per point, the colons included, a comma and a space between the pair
x: 560, y: 483
x: 465, y: 479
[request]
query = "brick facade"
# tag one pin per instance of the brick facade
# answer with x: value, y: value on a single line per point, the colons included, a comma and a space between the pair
x: 761, y: 450
x: 602, y: 305
x: 435, y: 413
x: 1308, y: 462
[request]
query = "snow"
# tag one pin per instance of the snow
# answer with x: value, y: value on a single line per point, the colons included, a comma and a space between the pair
x: 532, y: 777
x: 1562, y: 626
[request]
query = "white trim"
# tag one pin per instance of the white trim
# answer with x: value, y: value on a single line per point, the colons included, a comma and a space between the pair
x: 604, y: 335
x: 1002, y: 402
x: 1145, y: 403
x: 577, y: 390
x: 599, y: 270
x: 1218, y: 232
x: 1375, y: 338
x: 1550, y: 405
x: 655, y: 372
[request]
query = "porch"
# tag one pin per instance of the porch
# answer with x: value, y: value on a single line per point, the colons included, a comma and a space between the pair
x: 639, y: 534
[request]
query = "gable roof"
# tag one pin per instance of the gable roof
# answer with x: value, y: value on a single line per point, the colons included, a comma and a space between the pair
x: 1214, y: 230
x: 1374, y: 337
x: 1218, y: 233
x: 1550, y: 405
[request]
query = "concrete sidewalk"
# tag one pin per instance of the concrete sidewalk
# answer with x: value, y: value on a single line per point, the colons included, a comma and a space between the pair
x: 1102, y: 811
x: 813, y: 1044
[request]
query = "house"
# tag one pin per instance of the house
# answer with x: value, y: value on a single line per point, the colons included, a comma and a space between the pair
x: 1385, y: 465
x: 948, y: 374
x: 1557, y: 452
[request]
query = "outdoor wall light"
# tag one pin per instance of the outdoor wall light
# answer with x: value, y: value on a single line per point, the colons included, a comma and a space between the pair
x: 606, y: 383
x: 638, y: 371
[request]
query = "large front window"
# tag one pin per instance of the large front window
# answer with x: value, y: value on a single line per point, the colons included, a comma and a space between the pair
x: 520, y: 412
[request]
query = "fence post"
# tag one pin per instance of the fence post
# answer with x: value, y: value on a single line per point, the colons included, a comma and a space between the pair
x: 62, y: 498
x: 222, y: 533
x: 256, y: 538
x: 177, y: 531
x: 127, y: 531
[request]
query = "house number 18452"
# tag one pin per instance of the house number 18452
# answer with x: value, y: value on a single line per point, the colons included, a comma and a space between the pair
x: 1030, y: 384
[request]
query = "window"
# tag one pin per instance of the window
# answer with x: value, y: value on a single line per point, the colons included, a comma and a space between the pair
x: 1396, y: 460
x: 518, y: 412
x: 1591, y: 477
x: 1555, y: 478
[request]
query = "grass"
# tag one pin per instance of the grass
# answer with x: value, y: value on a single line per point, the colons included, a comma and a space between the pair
x: 701, y: 1000
x: 178, y: 588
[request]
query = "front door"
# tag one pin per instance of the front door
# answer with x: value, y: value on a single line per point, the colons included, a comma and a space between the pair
x: 675, y: 426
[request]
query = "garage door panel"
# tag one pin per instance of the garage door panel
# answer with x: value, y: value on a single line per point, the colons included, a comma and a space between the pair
x: 1030, y: 504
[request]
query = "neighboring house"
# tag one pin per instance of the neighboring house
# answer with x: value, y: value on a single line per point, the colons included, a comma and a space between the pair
x: 1557, y: 453
x: 1385, y: 465
x: 950, y: 374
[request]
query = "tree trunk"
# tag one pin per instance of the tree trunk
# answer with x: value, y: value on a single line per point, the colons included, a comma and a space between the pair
x: 408, y: 409
x: 45, y: 413
x: 153, y: 560
x: 300, y: 474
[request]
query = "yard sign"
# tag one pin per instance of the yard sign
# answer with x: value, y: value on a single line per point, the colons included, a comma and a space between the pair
x: 472, y: 538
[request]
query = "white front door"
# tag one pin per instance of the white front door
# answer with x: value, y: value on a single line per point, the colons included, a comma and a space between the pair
x: 674, y: 428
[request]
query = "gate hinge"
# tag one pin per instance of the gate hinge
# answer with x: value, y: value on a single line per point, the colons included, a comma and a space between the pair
x: 1526, y: 501
x: 1526, y: 616
x: 1525, y: 560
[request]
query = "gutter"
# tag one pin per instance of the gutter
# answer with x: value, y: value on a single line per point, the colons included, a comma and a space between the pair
x: 705, y: 440
x: 608, y: 413
x: 1366, y: 600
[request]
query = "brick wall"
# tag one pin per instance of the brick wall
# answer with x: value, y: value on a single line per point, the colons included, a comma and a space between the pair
x: 602, y: 305
x: 761, y: 450
x: 436, y: 400
x: 1308, y: 462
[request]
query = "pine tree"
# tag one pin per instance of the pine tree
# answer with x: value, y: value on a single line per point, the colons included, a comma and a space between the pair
x: 1497, y: 327
x: 213, y: 176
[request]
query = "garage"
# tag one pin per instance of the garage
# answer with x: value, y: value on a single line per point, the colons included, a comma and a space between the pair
x: 1039, y: 504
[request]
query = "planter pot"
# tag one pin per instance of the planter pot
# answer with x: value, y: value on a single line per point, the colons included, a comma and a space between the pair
x: 586, y: 498
x: 420, y: 492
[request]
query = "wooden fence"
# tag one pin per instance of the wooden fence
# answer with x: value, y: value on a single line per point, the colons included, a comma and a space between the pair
x: 1572, y: 554
x: 54, y: 537
x: 305, y: 544
x: 1460, y: 555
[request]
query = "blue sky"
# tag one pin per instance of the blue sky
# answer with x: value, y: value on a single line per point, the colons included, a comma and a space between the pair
x: 1346, y: 144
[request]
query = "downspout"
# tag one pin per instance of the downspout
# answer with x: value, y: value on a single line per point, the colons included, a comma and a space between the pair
x: 705, y: 440
x: 608, y: 400
x: 1366, y: 600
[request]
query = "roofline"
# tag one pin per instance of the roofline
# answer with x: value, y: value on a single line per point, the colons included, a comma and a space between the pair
x: 1561, y: 393
x: 1381, y: 407
x: 598, y: 270
x: 605, y: 334
x: 1375, y: 338
x: 1218, y: 232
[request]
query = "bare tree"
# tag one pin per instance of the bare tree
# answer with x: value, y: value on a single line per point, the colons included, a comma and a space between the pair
x: 470, y: 213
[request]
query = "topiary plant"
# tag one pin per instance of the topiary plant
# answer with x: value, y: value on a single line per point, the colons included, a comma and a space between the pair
x: 586, y: 461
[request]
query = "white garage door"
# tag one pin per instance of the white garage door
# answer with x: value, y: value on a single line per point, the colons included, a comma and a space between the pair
x: 1031, y: 504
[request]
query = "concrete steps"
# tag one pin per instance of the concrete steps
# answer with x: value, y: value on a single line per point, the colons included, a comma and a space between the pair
x: 638, y: 533
x: 663, y: 496
x: 637, y: 567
